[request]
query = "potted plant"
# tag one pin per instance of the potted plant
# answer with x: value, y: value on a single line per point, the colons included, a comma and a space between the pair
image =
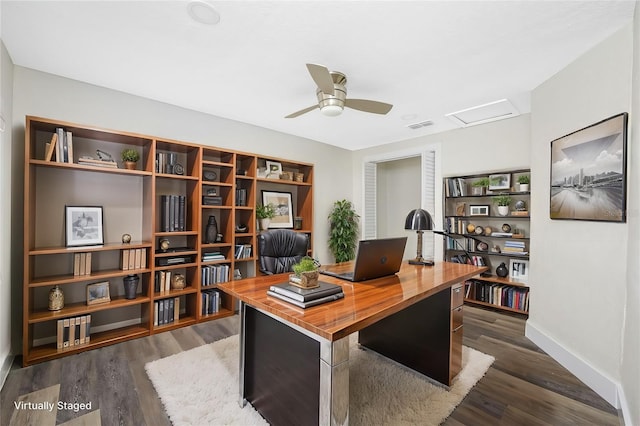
x: 523, y: 180
x: 305, y: 273
x: 503, y: 202
x: 343, y: 232
x: 478, y: 187
x: 264, y: 214
x: 130, y: 158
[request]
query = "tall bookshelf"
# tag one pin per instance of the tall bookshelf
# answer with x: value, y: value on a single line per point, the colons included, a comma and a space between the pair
x: 472, y: 219
x: 133, y: 202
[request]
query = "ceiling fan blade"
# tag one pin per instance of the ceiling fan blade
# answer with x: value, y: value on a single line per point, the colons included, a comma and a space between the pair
x: 322, y: 77
x: 302, y: 111
x: 368, y: 106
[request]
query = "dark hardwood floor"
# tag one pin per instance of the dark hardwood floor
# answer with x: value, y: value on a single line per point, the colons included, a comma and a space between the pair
x: 524, y: 386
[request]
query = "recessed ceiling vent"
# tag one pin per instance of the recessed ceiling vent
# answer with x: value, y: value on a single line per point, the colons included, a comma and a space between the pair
x: 486, y: 113
x: 425, y: 123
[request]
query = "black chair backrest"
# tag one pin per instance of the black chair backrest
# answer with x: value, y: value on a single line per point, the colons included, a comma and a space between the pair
x: 280, y: 249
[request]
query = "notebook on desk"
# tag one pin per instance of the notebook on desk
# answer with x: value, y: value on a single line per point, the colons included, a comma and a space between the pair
x: 374, y: 259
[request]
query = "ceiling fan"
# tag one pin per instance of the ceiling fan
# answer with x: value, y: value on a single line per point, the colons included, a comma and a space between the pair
x: 332, y: 95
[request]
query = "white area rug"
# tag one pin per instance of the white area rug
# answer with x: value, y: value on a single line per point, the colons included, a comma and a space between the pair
x: 200, y: 387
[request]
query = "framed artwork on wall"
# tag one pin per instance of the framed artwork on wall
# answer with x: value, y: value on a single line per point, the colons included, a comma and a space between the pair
x: 83, y: 225
x: 589, y: 173
x: 283, y: 207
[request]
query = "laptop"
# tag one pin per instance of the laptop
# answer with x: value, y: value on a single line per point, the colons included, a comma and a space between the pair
x: 374, y: 259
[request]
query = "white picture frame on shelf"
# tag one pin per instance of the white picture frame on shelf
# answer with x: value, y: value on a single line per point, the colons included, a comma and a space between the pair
x: 274, y: 169
x: 83, y: 226
x: 519, y: 270
x: 499, y: 181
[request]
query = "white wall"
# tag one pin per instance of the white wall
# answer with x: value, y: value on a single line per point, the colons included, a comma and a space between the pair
x: 398, y: 192
x: 630, y: 368
x: 579, y: 268
x: 46, y: 95
x: 6, y: 94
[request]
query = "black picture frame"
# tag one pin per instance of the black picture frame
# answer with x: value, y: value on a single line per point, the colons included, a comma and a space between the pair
x: 589, y: 173
x: 83, y: 226
x: 282, y: 202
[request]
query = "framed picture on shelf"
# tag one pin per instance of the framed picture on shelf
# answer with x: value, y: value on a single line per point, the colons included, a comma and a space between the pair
x: 589, y: 172
x: 478, y: 210
x: 499, y: 181
x: 274, y: 169
x: 283, y: 206
x: 98, y: 293
x: 83, y: 225
x: 519, y: 270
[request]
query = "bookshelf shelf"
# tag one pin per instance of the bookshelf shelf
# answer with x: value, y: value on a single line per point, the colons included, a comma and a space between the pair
x: 132, y: 204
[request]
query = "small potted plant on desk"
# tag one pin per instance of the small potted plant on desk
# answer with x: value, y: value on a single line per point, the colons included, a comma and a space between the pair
x: 264, y: 214
x: 130, y: 158
x: 503, y: 202
x: 305, y: 273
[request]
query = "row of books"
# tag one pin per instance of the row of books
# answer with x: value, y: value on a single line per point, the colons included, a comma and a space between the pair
x: 211, y: 302
x: 243, y: 251
x: 306, y: 297
x: 73, y: 332
x: 166, y: 162
x: 162, y: 281
x: 214, y: 274
x: 60, y: 147
x: 241, y: 197
x: 213, y: 255
x: 166, y: 311
x: 133, y: 259
x: 498, y: 294
x: 82, y: 264
x: 455, y: 187
x: 173, y: 213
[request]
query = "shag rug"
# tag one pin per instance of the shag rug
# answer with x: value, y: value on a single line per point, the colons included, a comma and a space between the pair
x: 200, y: 387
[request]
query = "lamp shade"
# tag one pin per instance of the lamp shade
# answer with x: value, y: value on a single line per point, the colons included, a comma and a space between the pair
x: 418, y: 220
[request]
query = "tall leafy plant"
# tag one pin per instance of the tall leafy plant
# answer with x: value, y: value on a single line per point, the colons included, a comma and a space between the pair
x: 343, y: 233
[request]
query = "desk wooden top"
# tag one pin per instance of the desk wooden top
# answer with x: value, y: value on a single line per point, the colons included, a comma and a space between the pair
x: 363, y: 304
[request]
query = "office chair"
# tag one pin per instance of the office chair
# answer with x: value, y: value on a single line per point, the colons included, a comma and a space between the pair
x: 280, y: 249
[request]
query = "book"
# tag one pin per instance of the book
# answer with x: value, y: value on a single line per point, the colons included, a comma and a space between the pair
x: 51, y: 148
x: 306, y: 294
x: 308, y: 304
x: 60, y: 334
x: 65, y: 333
x: 87, y: 338
x: 69, y: 139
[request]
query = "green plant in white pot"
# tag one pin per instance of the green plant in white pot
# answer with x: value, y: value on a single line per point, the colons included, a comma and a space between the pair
x: 264, y: 214
x: 479, y: 186
x: 503, y: 202
x: 523, y: 180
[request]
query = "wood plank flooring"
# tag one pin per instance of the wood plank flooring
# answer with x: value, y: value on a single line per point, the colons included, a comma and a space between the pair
x: 524, y: 386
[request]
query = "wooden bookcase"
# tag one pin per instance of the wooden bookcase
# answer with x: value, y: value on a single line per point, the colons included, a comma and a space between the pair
x: 471, y: 218
x: 132, y: 203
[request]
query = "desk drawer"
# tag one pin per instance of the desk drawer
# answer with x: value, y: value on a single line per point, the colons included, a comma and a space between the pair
x: 456, y: 318
x: 457, y: 295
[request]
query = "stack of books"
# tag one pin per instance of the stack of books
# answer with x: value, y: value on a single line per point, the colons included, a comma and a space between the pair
x: 306, y: 297
x: 514, y: 247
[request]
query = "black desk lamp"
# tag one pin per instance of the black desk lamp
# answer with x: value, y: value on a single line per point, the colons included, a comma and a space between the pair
x: 419, y: 220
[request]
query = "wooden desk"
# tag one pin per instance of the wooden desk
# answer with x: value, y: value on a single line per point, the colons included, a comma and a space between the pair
x: 294, y: 363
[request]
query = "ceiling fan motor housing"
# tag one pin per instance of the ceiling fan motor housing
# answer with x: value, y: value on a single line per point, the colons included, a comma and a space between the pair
x: 339, y: 92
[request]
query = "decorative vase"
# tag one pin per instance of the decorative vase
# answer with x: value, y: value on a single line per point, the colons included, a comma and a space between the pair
x: 130, y: 286
x: 130, y: 165
x: 502, y: 270
x: 264, y: 223
x: 178, y: 282
x: 307, y: 279
x: 503, y: 210
x: 212, y: 230
x: 56, y: 299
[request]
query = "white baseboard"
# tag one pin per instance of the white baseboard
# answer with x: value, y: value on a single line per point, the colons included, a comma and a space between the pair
x: 5, y: 368
x: 598, y: 382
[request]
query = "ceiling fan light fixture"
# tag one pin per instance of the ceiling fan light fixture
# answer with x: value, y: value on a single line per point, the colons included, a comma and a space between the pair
x: 331, y: 110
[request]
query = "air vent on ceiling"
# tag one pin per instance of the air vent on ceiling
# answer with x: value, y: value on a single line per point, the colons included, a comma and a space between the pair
x: 486, y: 113
x: 421, y: 124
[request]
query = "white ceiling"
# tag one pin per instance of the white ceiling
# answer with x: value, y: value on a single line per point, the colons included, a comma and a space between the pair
x: 427, y: 58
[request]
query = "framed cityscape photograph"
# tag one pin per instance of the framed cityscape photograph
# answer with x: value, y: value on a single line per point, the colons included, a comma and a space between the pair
x: 589, y: 173
x: 83, y: 226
